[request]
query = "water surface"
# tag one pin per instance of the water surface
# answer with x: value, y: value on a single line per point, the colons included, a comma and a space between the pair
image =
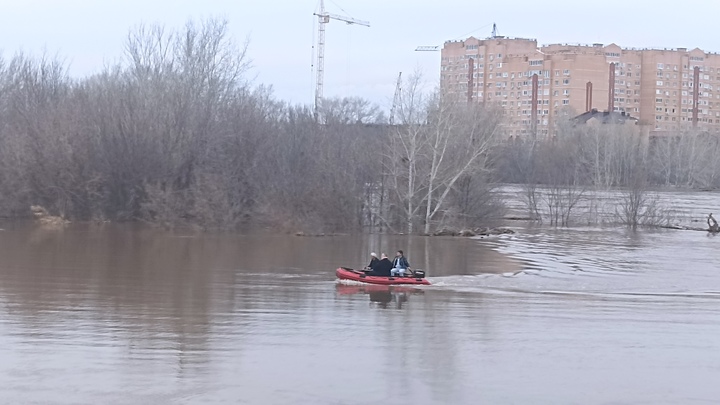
x: 122, y: 314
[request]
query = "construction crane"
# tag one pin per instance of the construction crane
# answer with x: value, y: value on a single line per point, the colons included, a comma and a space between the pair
x: 427, y: 48
x: 324, y: 18
x: 494, y: 34
x: 396, y: 99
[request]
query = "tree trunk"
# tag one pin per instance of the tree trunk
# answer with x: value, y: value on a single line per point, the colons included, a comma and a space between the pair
x: 411, y: 187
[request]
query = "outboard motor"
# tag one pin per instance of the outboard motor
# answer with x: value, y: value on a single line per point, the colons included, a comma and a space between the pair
x: 419, y: 273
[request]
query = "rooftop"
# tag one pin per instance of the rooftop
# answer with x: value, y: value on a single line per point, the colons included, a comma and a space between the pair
x: 605, y: 117
x: 595, y: 46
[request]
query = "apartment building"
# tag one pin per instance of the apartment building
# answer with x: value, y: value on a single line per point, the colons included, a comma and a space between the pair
x: 668, y: 90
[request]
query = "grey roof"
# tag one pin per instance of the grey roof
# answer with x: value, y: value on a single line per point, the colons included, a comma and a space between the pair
x: 605, y: 117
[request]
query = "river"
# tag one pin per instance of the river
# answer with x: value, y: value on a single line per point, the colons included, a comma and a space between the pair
x: 126, y: 314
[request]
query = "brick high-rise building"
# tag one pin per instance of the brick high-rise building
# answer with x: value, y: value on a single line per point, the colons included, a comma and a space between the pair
x: 655, y: 85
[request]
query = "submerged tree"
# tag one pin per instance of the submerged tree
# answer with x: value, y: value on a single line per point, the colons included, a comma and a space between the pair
x: 438, y: 141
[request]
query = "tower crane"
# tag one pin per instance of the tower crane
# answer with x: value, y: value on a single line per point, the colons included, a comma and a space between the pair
x: 324, y: 18
x: 431, y: 48
x: 396, y: 99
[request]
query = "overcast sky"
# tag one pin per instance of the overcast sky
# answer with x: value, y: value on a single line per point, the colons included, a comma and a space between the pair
x: 360, y: 61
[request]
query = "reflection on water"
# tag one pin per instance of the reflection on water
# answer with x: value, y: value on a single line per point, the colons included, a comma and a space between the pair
x: 126, y: 314
x: 382, y: 295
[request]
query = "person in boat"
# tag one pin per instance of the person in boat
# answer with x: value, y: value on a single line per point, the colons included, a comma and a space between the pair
x: 373, y: 261
x: 382, y: 268
x: 714, y: 227
x: 400, y: 265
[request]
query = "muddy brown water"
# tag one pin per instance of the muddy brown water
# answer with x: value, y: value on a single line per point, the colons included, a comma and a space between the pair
x: 123, y: 314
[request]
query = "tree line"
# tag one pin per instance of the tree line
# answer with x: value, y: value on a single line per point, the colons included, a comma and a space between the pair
x: 177, y: 134
x: 586, y: 162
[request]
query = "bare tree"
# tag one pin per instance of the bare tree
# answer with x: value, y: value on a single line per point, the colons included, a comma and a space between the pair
x: 460, y: 136
x: 438, y: 141
x: 406, y: 143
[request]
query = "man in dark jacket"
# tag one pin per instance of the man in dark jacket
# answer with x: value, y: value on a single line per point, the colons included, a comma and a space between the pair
x: 382, y: 268
x: 373, y: 261
x: 400, y: 265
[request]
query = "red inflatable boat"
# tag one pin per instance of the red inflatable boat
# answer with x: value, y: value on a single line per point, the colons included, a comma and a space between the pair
x: 344, y: 273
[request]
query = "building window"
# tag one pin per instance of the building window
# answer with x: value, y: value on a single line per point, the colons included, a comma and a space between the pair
x: 659, y: 83
x: 566, y: 102
x: 536, y: 63
x: 566, y: 72
x: 566, y: 81
x: 566, y: 92
x: 659, y: 65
